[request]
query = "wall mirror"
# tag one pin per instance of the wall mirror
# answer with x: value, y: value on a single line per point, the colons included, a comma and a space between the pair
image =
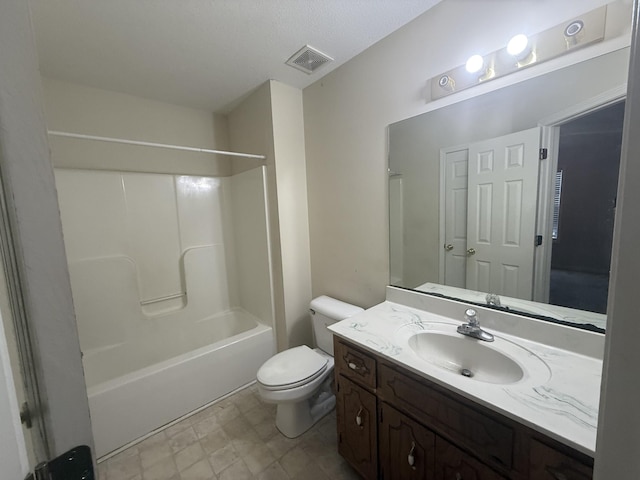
x: 508, y: 198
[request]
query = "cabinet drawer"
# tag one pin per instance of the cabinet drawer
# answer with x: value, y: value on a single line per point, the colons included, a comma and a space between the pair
x: 354, y: 364
x: 546, y: 463
x: 481, y: 434
x: 356, y: 415
x: 454, y: 464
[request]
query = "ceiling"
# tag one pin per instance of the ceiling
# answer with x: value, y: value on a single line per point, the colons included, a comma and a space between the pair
x: 206, y: 54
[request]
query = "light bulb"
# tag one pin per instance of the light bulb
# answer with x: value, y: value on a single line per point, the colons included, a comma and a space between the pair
x: 517, y: 45
x: 474, y: 64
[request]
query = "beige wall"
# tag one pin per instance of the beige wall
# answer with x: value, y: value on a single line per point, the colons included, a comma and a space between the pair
x: 618, y: 418
x: 291, y: 174
x: 346, y: 115
x: 92, y: 111
x: 32, y: 212
x: 251, y: 131
x: 269, y: 121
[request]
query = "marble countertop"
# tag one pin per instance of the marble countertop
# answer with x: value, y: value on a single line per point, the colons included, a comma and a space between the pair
x: 563, y: 403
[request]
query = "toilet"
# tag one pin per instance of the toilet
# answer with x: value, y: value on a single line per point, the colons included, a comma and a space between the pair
x: 299, y: 379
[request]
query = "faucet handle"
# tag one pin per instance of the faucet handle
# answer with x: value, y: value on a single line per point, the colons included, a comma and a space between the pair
x: 471, y: 316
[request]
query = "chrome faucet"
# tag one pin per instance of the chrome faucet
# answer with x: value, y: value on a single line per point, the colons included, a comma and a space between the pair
x: 472, y: 328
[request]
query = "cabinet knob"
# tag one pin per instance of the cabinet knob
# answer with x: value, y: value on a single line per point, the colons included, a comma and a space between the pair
x: 353, y: 366
x: 448, y: 247
x: 459, y: 476
x: 471, y: 251
x: 359, y: 417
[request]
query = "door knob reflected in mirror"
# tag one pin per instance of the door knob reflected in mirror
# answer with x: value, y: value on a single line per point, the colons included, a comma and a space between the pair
x: 448, y: 247
x: 471, y: 251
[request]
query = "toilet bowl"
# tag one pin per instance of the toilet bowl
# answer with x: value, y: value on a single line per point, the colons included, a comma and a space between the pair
x: 299, y: 379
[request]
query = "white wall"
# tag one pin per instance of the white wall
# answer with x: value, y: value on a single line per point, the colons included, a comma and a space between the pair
x: 346, y: 114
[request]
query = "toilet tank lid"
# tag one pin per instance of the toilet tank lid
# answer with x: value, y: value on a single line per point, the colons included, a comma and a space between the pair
x: 333, y: 308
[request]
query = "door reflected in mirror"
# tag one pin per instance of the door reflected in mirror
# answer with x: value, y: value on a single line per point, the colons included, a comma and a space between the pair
x: 508, y: 198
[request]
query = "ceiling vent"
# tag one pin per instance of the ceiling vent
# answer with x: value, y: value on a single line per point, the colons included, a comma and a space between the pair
x: 308, y: 59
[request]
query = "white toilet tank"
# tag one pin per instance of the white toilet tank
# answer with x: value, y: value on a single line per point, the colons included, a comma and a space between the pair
x: 325, y: 311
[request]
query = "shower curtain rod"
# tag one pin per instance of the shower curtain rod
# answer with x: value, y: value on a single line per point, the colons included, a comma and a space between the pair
x: 151, y: 144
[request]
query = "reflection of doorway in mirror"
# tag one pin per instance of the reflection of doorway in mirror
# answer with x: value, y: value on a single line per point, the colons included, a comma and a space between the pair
x: 589, y: 158
x: 490, y: 214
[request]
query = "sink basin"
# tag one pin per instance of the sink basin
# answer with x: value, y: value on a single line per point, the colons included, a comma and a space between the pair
x: 498, y: 362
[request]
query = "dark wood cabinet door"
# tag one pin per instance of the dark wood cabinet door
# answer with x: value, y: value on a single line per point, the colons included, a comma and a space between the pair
x: 454, y: 464
x: 547, y: 463
x: 356, y: 414
x: 407, y: 449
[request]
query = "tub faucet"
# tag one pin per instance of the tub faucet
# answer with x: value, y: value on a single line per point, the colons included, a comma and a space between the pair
x: 472, y: 328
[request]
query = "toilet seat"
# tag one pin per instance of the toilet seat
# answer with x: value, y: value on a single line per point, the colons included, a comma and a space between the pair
x: 292, y: 368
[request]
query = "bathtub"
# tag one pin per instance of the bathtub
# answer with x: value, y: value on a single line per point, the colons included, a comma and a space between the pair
x: 129, y: 406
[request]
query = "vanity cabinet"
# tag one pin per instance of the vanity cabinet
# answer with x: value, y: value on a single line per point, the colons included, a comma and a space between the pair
x: 396, y: 425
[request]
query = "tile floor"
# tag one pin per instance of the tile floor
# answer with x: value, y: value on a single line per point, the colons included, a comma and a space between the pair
x: 234, y: 439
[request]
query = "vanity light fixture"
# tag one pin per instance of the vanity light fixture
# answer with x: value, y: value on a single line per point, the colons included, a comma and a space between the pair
x: 529, y: 50
x: 518, y: 46
x: 476, y: 66
x: 447, y: 83
x: 573, y: 32
x: 474, y: 63
x: 574, y: 28
x: 521, y: 49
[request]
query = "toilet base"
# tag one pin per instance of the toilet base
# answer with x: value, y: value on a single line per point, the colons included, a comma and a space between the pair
x: 293, y: 419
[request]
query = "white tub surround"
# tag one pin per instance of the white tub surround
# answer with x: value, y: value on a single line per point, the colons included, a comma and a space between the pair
x: 171, y: 282
x: 563, y: 403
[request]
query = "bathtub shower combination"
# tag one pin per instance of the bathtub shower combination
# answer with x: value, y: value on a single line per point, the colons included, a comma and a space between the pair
x: 171, y: 282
